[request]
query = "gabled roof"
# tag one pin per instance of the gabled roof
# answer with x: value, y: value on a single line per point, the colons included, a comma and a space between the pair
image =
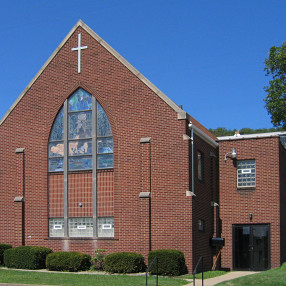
x: 181, y: 113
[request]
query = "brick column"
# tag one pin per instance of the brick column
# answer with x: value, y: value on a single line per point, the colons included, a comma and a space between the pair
x: 145, y: 196
x: 19, y: 200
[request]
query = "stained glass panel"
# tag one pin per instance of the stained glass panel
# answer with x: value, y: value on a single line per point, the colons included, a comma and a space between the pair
x: 57, y: 133
x: 105, y: 161
x: 80, y: 147
x: 56, y: 149
x: 56, y: 164
x: 80, y: 125
x: 103, y: 125
x: 80, y: 163
x: 80, y: 100
x: 105, y: 145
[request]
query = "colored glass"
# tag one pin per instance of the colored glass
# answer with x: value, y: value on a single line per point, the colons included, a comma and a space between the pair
x: 56, y: 164
x: 80, y: 163
x: 57, y: 132
x: 56, y: 149
x: 103, y: 125
x: 105, y: 161
x: 80, y: 147
x: 80, y: 125
x: 105, y: 145
x: 80, y: 100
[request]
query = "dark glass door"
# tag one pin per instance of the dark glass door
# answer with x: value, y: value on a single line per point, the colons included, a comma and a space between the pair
x: 251, y: 247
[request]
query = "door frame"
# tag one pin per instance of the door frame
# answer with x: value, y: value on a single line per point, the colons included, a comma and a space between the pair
x: 251, y: 268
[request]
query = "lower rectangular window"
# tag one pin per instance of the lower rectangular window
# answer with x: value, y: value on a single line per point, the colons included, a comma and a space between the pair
x: 105, y: 227
x: 56, y: 227
x: 80, y: 227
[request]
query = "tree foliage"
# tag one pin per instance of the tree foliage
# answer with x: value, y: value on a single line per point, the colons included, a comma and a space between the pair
x: 222, y: 131
x: 275, y: 66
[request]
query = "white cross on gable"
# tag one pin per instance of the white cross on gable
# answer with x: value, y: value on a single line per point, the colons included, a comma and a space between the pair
x: 78, y: 49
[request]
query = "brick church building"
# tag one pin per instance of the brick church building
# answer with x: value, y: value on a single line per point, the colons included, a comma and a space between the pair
x: 93, y: 156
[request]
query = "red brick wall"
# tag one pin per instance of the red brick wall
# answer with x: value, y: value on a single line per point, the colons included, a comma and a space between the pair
x: 282, y: 166
x: 80, y: 191
x: 206, y: 191
x: 134, y: 112
x: 56, y: 195
x: 105, y: 194
x: 263, y: 202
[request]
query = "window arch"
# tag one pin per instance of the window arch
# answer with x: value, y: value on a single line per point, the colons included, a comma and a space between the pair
x: 80, y: 145
x: 72, y: 134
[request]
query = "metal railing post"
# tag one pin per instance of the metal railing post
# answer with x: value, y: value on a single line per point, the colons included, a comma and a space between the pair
x: 156, y: 258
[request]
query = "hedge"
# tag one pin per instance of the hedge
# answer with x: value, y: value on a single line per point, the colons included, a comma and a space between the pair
x: 124, y: 262
x: 170, y: 262
x: 3, y: 247
x: 68, y: 261
x: 26, y: 257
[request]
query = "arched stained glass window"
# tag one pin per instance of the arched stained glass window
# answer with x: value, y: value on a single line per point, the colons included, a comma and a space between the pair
x: 72, y: 134
x: 80, y: 140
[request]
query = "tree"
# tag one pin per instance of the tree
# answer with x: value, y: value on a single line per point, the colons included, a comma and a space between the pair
x: 275, y: 66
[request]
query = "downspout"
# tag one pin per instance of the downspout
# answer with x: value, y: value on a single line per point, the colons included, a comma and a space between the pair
x: 192, y: 142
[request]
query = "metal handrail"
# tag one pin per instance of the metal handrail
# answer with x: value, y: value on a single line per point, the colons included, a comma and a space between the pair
x: 149, y: 267
x: 195, y: 271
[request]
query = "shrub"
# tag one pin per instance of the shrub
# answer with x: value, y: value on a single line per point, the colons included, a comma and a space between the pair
x: 170, y: 262
x: 26, y: 257
x: 68, y: 261
x: 3, y: 247
x: 98, y: 260
x: 124, y: 262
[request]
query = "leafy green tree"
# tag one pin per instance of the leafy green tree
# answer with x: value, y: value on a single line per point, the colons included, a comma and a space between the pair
x: 275, y: 66
x: 222, y: 131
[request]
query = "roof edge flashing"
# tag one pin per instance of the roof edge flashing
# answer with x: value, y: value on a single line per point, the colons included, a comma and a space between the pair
x: 203, y: 136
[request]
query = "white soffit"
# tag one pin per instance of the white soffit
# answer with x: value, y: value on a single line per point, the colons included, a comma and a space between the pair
x: 181, y: 113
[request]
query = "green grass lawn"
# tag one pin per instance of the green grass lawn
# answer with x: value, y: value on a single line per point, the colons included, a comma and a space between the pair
x: 270, y: 278
x: 34, y: 277
x: 207, y: 274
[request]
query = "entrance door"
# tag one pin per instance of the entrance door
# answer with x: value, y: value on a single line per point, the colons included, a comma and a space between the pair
x: 251, y: 247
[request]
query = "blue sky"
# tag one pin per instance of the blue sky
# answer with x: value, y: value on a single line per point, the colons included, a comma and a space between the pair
x: 207, y: 55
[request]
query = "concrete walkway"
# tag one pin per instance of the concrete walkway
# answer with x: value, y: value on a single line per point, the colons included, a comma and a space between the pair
x: 222, y: 278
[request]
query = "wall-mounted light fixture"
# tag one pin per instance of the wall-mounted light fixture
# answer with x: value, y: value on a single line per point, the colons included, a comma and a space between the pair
x: 232, y: 154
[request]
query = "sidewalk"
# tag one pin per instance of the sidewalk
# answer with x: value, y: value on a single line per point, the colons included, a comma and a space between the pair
x: 222, y: 278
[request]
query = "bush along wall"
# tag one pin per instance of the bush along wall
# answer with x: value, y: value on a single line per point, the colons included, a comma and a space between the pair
x: 26, y: 257
x: 170, y: 262
x: 124, y: 262
x: 3, y: 247
x: 68, y: 261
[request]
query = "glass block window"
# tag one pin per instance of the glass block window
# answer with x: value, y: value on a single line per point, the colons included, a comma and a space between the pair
x: 74, y: 129
x: 80, y: 227
x: 246, y: 173
x: 105, y: 227
x: 56, y: 227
